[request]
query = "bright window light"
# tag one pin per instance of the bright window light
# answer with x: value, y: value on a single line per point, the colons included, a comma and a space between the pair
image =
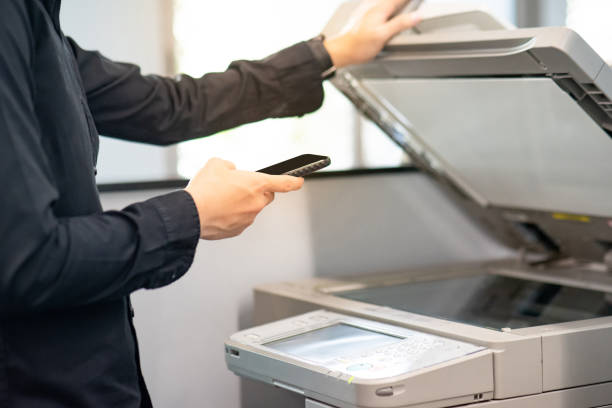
x: 591, y: 19
x: 210, y: 34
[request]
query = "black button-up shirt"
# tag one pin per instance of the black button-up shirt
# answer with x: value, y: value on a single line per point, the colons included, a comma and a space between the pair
x: 66, y: 267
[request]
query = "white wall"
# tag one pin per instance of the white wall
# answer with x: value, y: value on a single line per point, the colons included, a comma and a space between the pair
x: 133, y: 31
x: 335, y: 226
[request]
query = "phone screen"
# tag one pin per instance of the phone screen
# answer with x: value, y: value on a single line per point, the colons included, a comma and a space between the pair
x: 295, y: 163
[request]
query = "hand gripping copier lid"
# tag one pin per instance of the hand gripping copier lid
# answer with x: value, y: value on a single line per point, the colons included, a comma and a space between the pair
x: 516, y: 126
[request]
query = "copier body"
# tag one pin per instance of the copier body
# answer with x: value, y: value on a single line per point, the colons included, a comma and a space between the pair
x: 515, y: 125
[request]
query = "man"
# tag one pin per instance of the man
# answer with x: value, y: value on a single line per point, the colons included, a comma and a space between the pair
x: 66, y: 267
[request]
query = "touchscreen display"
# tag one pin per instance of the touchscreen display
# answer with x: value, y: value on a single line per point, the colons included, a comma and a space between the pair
x: 322, y: 345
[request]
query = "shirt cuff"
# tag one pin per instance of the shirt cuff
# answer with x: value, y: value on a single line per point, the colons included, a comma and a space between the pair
x: 320, y: 54
x: 181, y: 221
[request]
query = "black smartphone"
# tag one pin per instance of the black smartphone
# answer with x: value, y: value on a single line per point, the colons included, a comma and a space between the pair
x: 299, y: 166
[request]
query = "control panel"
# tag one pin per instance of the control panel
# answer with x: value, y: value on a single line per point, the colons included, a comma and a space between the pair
x: 354, y: 348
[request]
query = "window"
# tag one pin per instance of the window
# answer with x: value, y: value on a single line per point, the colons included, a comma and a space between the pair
x: 136, y: 31
x: 591, y: 19
x: 210, y: 34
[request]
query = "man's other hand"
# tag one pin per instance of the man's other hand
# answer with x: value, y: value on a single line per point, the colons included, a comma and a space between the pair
x: 369, y: 35
x: 228, y: 200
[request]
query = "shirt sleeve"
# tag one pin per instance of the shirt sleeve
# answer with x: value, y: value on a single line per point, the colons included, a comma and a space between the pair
x: 51, y: 262
x: 128, y: 105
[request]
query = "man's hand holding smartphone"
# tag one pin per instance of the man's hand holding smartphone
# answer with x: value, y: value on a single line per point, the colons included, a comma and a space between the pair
x: 228, y: 200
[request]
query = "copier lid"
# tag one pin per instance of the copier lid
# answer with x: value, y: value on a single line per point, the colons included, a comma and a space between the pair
x: 511, y: 142
x: 518, y: 122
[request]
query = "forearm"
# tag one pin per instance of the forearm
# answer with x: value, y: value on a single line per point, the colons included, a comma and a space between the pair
x: 159, y: 110
x: 285, y: 84
x: 68, y: 262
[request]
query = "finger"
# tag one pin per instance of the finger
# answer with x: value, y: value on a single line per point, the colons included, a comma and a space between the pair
x: 390, y: 7
x: 215, y: 162
x: 283, y: 184
x: 401, y: 23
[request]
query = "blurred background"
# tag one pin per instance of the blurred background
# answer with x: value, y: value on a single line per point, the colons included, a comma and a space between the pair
x: 335, y: 226
x: 199, y: 36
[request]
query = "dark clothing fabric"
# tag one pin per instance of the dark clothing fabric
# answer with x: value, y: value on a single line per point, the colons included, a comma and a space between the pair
x: 66, y: 267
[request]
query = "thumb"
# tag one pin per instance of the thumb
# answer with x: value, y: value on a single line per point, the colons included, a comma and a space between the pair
x: 401, y: 23
x: 283, y: 184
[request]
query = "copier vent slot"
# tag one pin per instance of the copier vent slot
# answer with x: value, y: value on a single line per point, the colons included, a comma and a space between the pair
x: 533, y: 234
x: 232, y: 352
x: 599, y: 97
x: 477, y: 397
x: 592, y: 99
x: 605, y: 245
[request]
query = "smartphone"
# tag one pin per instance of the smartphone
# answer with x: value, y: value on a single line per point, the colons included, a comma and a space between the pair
x: 299, y: 166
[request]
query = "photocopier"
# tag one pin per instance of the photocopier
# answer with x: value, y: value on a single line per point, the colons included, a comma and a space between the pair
x: 515, y: 126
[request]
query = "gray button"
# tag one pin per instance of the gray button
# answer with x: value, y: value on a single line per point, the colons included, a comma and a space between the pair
x: 385, y: 392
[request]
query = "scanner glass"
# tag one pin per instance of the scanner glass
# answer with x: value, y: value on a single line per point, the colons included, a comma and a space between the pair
x: 490, y: 301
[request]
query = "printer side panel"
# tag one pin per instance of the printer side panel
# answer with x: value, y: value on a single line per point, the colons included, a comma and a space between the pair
x: 577, y: 358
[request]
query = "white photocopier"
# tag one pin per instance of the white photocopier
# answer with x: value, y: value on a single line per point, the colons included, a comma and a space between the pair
x: 515, y: 125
